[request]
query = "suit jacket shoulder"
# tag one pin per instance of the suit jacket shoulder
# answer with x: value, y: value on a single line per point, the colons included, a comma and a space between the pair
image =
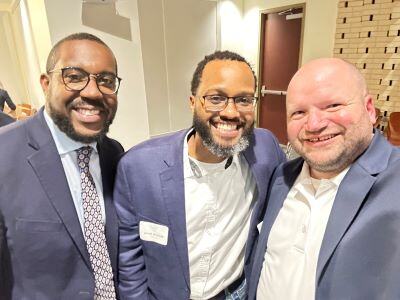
x: 166, y: 147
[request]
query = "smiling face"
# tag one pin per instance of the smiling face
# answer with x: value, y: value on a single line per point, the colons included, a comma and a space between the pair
x: 330, y: 116
x: 221, y: 134
x: 83, y: 115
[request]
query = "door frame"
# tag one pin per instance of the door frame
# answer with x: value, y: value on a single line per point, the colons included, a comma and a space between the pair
x: 262, y: 17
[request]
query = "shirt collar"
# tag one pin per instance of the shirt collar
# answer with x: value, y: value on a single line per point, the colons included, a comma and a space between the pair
x: 188, y: 170
x: 63, y: 142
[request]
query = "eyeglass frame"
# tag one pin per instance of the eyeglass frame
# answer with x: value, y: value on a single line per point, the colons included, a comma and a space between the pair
x: 253, y: 105
x: 89, y: 75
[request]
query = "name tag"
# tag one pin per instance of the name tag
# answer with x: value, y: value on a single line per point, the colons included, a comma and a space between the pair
x: 152, y: 232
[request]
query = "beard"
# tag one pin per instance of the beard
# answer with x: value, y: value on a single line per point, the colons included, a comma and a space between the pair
x: 355, y: 144
x: 338, y: 163
x: 64, y: 124
x: 216, y: 149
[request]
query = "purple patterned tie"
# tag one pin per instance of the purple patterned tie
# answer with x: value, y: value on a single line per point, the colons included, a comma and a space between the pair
x: 94, y: 230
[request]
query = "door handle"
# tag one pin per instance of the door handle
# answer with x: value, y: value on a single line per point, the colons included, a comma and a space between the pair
x: 264, y: 92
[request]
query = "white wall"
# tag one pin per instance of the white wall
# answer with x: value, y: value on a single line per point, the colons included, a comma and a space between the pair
x: 23, y: 37
x: 11, y: 74
x: 131, y: 123
x: 175, y: 35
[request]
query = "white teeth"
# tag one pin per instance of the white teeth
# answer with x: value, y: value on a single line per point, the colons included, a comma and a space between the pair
x: 88, y: 112
x: 226, y: 126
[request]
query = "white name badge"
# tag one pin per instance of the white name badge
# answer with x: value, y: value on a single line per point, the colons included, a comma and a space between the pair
x: 152, y: 232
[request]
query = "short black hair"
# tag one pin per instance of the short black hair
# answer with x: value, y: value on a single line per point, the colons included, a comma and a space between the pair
x: 54, y: 55
x: 217, y: 55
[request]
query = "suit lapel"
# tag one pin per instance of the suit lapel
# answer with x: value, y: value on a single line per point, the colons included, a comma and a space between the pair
x: 47, y: 166
x: 279, y: 188
x: 260, y: 176
x: 173, y: 191
x: 351, y: 195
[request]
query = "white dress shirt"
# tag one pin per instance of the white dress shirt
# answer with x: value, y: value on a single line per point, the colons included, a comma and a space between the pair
x: 66, y: 149
x: 218, y: 203
x: 295, y: 239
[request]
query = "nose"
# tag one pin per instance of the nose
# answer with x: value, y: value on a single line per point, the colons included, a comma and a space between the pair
x: 315, y: 121
x: 91, y: 90
x: 230, y: 111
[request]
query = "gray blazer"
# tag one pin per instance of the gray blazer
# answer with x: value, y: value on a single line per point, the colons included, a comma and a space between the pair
x: 360, y: 251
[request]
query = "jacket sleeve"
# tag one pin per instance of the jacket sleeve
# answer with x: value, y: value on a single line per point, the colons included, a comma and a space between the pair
x: 132, y: 278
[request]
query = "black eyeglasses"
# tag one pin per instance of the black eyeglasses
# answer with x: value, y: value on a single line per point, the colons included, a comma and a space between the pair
x: 76, y: 79
x: 219, y: 102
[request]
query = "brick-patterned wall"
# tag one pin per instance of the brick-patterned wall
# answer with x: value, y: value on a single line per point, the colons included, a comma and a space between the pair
x: 368, y: 35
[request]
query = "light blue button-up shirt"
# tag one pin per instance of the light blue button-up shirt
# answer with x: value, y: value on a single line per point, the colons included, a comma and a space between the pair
x: 66, y: 149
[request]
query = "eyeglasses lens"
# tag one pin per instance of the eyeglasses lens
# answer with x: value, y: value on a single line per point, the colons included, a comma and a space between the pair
x: 77, y: 79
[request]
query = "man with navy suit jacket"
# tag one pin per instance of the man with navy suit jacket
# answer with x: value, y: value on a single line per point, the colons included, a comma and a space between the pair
x: 57, y: 173
x: 188, y: 201
x: 331, y: 227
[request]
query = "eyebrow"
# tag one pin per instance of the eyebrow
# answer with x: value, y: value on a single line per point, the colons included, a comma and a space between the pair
x: 223, y: 93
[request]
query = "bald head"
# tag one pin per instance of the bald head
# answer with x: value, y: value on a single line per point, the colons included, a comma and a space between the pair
x: 330, y: 115
x: 325, y: 73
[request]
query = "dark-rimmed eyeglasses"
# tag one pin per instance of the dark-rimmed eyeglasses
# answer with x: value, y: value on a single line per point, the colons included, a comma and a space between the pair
x: 76, y: 79
x: 219, y: 102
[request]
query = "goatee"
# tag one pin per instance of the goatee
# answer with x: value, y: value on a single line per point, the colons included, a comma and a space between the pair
x: 216, y: 149
x: 65, y: 125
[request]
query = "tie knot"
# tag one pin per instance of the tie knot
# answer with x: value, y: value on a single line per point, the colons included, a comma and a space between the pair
x: 84, y: 157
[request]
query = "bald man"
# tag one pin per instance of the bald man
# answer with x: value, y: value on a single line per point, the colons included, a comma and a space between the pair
x: 332, y: 224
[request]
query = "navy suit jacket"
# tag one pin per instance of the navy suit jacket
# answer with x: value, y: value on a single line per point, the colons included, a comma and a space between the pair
x: 150, y: 187
x: 360, y: 252
x: 46, y: 255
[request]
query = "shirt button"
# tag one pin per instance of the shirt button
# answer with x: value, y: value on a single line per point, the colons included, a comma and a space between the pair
x: 303, y: 229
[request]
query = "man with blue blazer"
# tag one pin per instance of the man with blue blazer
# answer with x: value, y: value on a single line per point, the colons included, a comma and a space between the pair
x: 57, y: 174
x: 331, y: 227
x: 188, y: 202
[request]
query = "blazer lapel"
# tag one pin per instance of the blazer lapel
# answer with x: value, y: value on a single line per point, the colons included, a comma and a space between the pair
x: 260, y: 176
x: 279, y: 188
x: 173, y: 190
x: 48, y: 168
x: 350, y: 196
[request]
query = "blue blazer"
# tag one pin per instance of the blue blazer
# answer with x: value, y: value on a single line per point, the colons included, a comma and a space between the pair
x: 45, y: 251
x: 360, y: 252
x: 150, y: 187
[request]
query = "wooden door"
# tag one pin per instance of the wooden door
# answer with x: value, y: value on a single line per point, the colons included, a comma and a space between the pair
x: 280, y: 53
